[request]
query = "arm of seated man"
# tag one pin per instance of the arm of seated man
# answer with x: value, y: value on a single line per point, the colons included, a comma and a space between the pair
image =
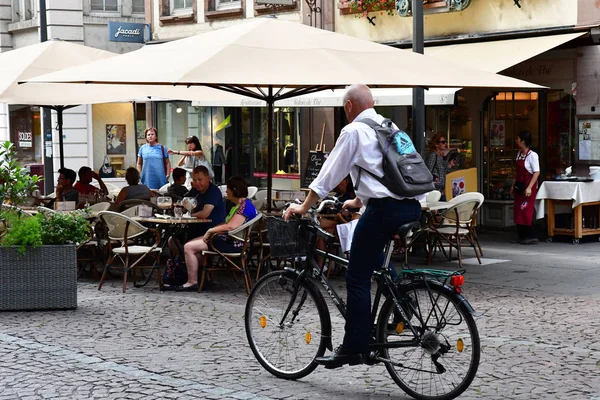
x: 205, y: 212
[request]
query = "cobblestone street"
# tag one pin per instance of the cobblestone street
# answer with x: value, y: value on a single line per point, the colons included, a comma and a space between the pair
x: 539, y: 333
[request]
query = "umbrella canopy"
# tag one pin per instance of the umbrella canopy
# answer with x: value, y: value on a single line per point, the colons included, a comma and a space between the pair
x: 270, y: 59
x: 269, y: 52
x: 56, y: 55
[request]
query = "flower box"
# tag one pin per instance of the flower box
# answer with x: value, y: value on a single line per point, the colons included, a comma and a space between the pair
x: 43, y: 278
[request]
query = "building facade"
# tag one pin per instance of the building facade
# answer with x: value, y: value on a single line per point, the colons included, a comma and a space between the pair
x: 551, y: 43
x: 84, y: 130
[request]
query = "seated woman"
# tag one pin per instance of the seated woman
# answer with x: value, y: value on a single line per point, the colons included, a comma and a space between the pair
x: 243, y: 211
x: 134, y: 190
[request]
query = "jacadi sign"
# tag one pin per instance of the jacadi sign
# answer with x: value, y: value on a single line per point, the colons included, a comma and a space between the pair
x: 126, y: 32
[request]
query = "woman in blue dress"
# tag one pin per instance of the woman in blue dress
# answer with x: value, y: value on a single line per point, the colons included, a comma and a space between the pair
x: 153, y: 161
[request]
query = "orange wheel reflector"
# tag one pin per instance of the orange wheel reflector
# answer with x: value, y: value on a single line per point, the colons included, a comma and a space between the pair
x: 460, y: 345
x: 399, y: 327
x: 263, y: 321
x: 308, y: 337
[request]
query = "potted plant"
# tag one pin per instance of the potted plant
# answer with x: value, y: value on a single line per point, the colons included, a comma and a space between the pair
x: 38, y: 254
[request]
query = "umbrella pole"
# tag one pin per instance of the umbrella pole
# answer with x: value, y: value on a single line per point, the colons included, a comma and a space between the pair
x: 270, y: 109
x: 59, y: 118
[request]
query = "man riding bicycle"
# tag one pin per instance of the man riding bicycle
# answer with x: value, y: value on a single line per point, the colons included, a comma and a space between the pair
x: 357, y: 147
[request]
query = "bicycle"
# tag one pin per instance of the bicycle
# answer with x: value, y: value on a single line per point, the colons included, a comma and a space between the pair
x: 424, y: 332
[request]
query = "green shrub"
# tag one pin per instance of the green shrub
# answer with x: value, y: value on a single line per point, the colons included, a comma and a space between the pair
x: 23, y: 232
x: 64, y: 228
x: 15, y: 182
x: 56, y: 228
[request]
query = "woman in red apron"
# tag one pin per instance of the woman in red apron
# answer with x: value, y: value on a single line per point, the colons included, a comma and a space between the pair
x: 525, y: 187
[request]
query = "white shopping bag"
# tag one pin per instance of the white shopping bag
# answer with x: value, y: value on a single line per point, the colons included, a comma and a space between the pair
x: 345, y: 233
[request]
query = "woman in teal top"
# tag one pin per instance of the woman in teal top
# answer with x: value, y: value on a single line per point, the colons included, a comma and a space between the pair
x: 242, y: 212
x: 153, y: 161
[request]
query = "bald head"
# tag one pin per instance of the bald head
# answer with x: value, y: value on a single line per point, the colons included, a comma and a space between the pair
x: 357, y: 98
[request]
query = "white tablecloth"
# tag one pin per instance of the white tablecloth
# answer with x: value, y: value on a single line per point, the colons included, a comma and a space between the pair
x: 578, y: 192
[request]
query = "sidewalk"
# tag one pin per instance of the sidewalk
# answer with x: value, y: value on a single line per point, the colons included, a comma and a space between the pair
x: 558, y: 267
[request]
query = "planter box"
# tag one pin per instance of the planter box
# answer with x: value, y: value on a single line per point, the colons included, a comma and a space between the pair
x: 42, y: 278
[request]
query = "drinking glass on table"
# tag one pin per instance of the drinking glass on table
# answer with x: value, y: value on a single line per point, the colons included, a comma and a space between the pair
x: 189, y: 203
x: 165, y: 203
x: 178, y: 209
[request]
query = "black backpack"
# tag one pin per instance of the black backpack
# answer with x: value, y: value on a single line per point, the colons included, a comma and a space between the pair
x: 404, y: 171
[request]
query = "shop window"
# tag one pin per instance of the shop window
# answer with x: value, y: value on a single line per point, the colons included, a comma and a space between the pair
x: 138, y: 7
x: 227, y: 4
x: 454, y: 122
x: 104, y: 5
x: 177, y: 11
x: 506, y: 114
x: 23, y: 10
x: 218, y: 9
x: 561, y: 134
x: 25, y: 133
x: 181, y: 6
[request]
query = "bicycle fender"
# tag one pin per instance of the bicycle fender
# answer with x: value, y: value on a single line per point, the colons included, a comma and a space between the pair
x: 321, y: 304
x: 460, y: 300
x: 459, y: 297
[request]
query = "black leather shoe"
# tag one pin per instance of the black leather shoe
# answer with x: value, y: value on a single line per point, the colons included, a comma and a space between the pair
x: 340, y: 357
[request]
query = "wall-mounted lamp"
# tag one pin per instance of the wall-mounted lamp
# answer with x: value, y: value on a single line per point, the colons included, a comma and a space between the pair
x: 178, y: 110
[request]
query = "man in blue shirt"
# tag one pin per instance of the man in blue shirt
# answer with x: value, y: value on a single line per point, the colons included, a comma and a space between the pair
x: 210, y: 202
x: 210, y: 205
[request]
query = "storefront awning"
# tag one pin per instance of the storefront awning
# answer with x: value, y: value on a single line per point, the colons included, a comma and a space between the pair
x: 498, y: 55
x: 333, y: 98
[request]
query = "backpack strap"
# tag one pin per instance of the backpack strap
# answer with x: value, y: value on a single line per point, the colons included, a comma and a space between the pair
x: 373, y: 125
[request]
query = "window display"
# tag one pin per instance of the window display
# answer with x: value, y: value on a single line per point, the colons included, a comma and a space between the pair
x: 507, y: 114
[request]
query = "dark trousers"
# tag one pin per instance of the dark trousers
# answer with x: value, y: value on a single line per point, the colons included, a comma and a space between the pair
x: 526, y: 232
x: 375, y: 228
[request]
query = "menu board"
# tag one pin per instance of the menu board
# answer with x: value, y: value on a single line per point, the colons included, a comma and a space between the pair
x: 589, y: 139
x: 313, y: 166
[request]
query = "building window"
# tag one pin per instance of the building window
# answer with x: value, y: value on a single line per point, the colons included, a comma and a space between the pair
x: 227, y: 4
x: 181, y: 6
x: 105, y: 5
x: 138, y: 7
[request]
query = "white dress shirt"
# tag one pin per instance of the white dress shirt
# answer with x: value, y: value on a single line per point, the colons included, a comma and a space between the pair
x: 356, y: 146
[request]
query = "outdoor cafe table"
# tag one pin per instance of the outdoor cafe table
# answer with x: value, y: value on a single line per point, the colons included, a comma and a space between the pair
x: 171, y: 225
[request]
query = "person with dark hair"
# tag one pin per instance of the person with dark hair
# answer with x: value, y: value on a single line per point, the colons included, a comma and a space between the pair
x: 84, y: 186
x: 134, y: 190
x: 153, y: 161
x: 64, y: 187
x: 193, y: 156
x: 524, y: 188
x: 436, y: 164
x: 178, y: 186
x: 237, y: 191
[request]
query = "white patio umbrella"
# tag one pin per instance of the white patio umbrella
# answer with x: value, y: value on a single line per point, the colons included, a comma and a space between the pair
x: 55, y: 55
x: 269, y: 59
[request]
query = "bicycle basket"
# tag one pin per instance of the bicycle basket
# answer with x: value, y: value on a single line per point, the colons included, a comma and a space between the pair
x: 284, y: 238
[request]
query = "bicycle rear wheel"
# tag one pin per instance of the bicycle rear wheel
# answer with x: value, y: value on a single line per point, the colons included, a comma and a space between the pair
x: 286, y: 349
x: 444, y: 362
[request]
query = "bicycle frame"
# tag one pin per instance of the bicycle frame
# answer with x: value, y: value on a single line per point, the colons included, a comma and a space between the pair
x: 382, y: 277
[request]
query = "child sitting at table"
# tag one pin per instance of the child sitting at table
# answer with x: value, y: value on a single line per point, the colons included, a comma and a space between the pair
x: 178, y: 187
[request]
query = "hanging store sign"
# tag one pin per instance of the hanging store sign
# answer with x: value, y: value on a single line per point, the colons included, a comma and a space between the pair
x: 127, y: 32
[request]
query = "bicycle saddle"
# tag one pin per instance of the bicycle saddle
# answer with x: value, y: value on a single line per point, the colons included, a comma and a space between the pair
x: 405, y: 229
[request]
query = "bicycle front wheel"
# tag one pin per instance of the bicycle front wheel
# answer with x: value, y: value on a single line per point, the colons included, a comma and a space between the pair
x: 442, y: 362
x: 285, y: 347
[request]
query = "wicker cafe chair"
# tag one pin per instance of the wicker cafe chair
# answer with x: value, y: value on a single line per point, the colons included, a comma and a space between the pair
x: 124, y: 229
x: 471, y: 226
x: 242, y: 233
x: 454, y: 228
